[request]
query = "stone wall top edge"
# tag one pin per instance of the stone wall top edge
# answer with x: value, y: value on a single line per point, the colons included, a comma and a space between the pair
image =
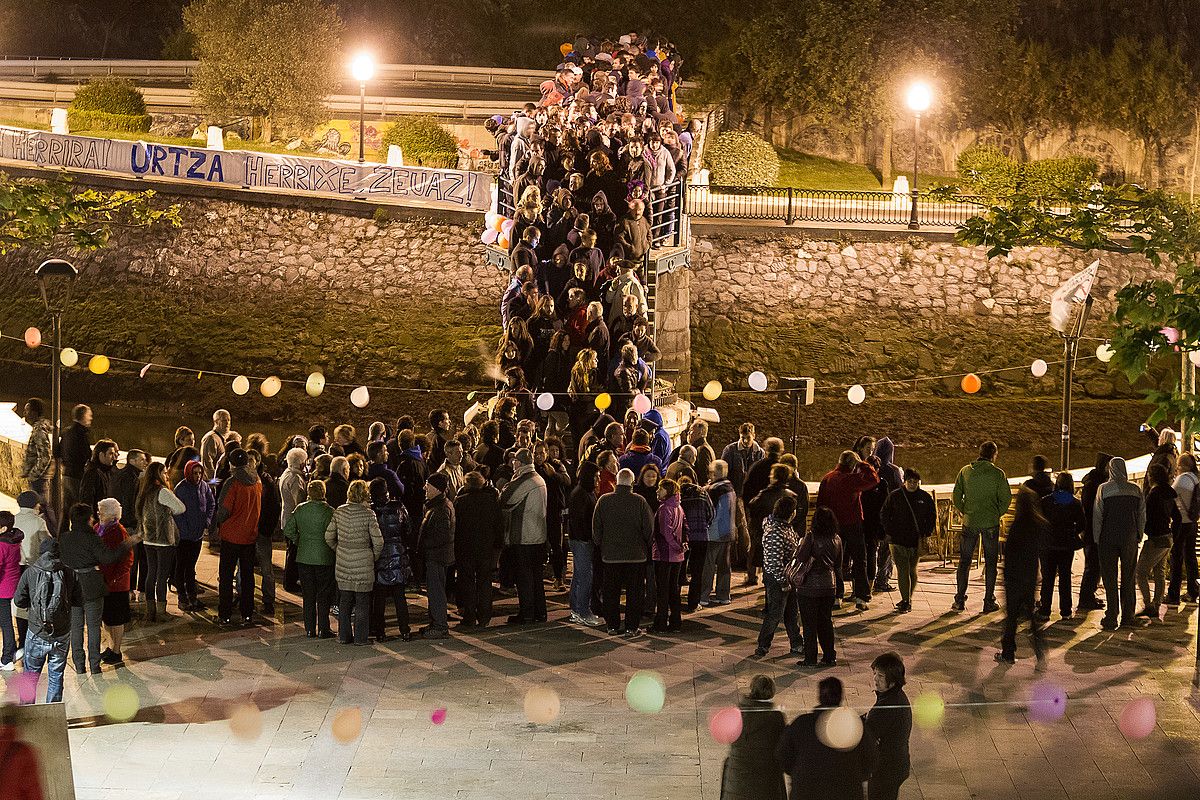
x: 709, y: 227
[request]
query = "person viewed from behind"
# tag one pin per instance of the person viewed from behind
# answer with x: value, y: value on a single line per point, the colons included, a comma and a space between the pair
x: 1040, y: 481
x: 478, y: 539
x: 305, y: 529
x: 982, y: 495
x: 757, y: 478
x: 908, y: 516
x: 581, y: 505
x: 1117, y: 524
x: 1162, y: 519
x: 437, y: 552
x: 670, y: 544
x: 270, y: 513
x: 236, y: 520
x: 29, y: 521
x: 780, y: 541
x: 10, y: 576
x: 524, y: 503
x: 157, y: 506
x: 1025, y: 536
x: 622, y: 528
x: 697, y: 516
x: 392, y: 570
x: 115, y: 613
x: 199, y: 507
x: 1183, y: 544
x: 1090, y: 488
x: 841, y: 492
x: 354, y: 536
x: 890, y: 723
x: 720, y: 534
x: 48, y: 590
x: 816, y: 585
x: 75, y: 450
x: 891, y: 477
x: 817, y: 770
x: 1067, y: 529
x: 751, y: 771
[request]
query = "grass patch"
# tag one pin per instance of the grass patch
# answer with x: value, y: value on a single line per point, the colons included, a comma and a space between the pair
x: 803, y: 171
x: 185, y: 141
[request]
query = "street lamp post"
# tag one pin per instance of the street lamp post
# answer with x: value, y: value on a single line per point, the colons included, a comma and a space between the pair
x: 56, y: 280
x: 918, y: 99
x: 362, y: 67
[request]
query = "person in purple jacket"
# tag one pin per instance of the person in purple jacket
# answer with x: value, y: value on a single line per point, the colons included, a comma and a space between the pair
x: 668, y: 548
x: 199, y: 505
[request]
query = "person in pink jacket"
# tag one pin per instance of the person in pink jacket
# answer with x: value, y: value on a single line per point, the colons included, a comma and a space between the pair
x: 669, y: 545
x: 10, y: 573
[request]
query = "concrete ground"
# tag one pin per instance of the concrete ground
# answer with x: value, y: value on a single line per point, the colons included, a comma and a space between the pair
x: 288, y: 698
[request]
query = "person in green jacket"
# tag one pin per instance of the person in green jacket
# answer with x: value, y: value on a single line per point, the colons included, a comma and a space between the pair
x: 982, y: 496
x: 306, y: 529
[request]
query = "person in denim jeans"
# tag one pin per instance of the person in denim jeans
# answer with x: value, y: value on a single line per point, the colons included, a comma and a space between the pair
x: 780, y: 540
x: 48, y: 638
x: 982, y: 495
x: 581, y: 505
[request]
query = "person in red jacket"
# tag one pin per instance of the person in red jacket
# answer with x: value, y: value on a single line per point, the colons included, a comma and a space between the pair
x: 841, y: 492
x: 236, y: 521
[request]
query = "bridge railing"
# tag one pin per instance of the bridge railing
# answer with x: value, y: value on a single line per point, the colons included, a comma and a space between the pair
x: 788, y: 205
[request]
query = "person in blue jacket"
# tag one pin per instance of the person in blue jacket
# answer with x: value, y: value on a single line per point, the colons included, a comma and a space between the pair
x: 660, y: 440
x: 199, y: 503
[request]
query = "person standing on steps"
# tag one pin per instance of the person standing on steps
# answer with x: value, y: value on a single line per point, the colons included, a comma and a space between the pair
x: 982, y: 495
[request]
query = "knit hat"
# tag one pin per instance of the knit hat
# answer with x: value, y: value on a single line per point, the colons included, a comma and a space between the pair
x: 28, y: 499
x: 439, y: 481
x: 238, y: 458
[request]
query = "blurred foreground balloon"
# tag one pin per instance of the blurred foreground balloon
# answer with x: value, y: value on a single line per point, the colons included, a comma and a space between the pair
x: 646, y: 692
x: 541, y: 705
x: 347, y: 725
x: 725, y: 724
x: 245, y: 721
x: 840, y: 728
x: 438, y: 716
x: 120, y: 703
x: 929, y: 709
x: 1047, y: 702
x: 1138, y: 718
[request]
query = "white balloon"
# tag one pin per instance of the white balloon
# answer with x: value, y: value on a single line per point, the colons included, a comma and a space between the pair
x: 1105, y: 352
x: 758, y: 381
x: 840, y: 728
x: 241, y: 384
x: 69, y: 357
x: 857, y: 394
x: 271, y: 386
x: 1194, y: 357
x: 545, y: 401
x: 315, y: 384
x: 360, y: 397
x: 1038, y: 368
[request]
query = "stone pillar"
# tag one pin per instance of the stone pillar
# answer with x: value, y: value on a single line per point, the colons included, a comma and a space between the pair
x: 674, y: 335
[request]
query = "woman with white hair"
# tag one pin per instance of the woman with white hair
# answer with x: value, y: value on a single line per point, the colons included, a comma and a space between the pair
x: 115, y: 614
x: 293, y: 490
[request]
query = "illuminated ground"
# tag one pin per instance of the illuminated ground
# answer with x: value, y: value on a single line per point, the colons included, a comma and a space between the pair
x: 190, y: 677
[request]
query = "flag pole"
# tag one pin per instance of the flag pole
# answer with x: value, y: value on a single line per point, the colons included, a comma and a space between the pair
x: 1070, y: 351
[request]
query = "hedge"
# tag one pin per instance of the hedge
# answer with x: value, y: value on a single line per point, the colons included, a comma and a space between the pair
x: 110, y: 95
x: 740, y: 158
x: 423, y: 141
x: 989, y: 173
x: 101, y: 121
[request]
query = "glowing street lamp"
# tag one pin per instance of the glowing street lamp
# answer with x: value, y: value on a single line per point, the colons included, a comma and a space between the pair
x: 362, y: 67
x: 918, y: 99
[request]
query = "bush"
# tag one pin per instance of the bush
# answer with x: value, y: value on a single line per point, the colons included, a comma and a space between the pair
x: 740, y: 158
x: 423, y: 142
x: 110, y: 95
x: 101, y: 121
x: 1058, y: 177
x: 987, y: 172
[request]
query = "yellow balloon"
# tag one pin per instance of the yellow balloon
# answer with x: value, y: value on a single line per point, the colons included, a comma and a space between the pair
x: 98, y: 364
x: 241, y: 384
x: 603, y: 401
x: 121, y: 703
x: 270, y: 387
x: 69, y: 356
x: 315, y: 384
x: 712, y: 390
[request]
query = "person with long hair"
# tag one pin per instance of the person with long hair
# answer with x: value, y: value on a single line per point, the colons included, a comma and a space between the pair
x: 1025, y: 536
x: 157, y: 506
x: 1183, y: 545
x: 1162, y: 518
x: 820, y: 557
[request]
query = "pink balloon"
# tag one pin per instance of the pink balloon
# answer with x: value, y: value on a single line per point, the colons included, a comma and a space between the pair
x: 1172, y: 334
x: 725, y: 724
x: 23, y: 687
x: 438, y: 716
x: 1138, y: 718
x: 1047, y: 702
x: 507, y: 226
x: 490, y: 236
x: 641, y: 403
x: 33, y: 337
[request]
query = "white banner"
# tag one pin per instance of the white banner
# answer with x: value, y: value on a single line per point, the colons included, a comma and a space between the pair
x: 1075, y: 290
x: 440, y: 188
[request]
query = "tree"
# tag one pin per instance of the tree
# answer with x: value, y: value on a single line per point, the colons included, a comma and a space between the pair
x: 276, y: 60
x: 36, y: 213
x: 1153, y: 317
x: 1019, y: 94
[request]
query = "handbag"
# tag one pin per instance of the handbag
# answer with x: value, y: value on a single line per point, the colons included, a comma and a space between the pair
x: 796, y: 571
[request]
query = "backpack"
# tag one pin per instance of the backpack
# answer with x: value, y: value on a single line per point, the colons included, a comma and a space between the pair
x: 51, y: 600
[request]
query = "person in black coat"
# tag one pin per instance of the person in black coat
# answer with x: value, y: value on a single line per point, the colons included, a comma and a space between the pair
x: 479, y: 536
x: 95, y: 485
x: 1066, y: 532
x: 818, y: 771
x: 264, y: 547
x: 392, y: 569
x: 1090, y: 581
x: 908, y: 516
x: 890, y: 722
x: 1025, y: 536
x: 750, y: 771
x: 1039, y: 478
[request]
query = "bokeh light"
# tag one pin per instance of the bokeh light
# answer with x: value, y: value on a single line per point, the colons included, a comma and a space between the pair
x: 541, y: 705
x: 121, y: 702
x: 347, y: 725
x: 646, y: 692
x: 1138, y: 718
x: 929, y: 709
x: 245, y: 721
x: 840, y: 728
x: 1047, y: 702
x: 725, y: 724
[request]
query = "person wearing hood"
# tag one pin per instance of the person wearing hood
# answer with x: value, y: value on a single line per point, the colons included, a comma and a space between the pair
x: 889, y: 722
x: 697, y: 515
x: 1066, y: 531
x: 554, y: 275
x: 891, y: 477
x: 720, y: 534
x: 623, y: 529
x: 751, y: 771
x: 841, y: 492
x: 524, y: 501
x: 633, y: 232
x: 520, y: 147
x: 669, y: 547
x: 236, y: 521
x: 1025, y: 537
x: 10, y: 575
x: 95, y: 485
x: 1162, y: 518
x: 1183, y: 546
x: 199, y: 506
x: 29, y: 520
x: 1090, y: 581
x: 603, y: 220
x: 157, y: 505
x: 1118, y: 519
x: 49, y: 624
x: 660, y: 441
x: 909, y: 515
x: 436, y: 545
x: 982, y: 495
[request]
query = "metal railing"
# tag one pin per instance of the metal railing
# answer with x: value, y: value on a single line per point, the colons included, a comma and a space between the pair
x: 789, y: 205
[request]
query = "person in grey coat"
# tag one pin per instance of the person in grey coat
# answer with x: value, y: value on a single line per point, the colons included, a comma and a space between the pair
x: 354, y: 536
x: 524, y: 503
x: 1117, y: 524
x: 622, y: 529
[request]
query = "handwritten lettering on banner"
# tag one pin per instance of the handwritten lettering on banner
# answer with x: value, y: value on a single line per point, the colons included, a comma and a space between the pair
x: 443, y: 188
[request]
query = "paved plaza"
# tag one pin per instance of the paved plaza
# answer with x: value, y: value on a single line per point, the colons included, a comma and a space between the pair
x: 192, y: 677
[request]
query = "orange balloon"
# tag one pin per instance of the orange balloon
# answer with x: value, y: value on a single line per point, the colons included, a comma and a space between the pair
x: 971, y: 383
x: 503, y: 241
x: 497, y: 223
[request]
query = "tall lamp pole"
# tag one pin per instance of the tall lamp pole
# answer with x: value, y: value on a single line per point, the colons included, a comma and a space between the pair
x: 918, y: 98
x: 362, y: 67
x: 56, y: 281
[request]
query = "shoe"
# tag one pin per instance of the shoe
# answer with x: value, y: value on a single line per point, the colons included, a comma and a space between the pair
x: 406, y: 636
x: 635, y: 633
x: 958, y: 605
x: 806, y: 663
x: 614, y: 631
x: 592, y: 621
x: 8, y: 667
x: 750, y: 582
x: 903, y: 607
x: 268, y: 610
x: 1001, y: 658
x: 1146, y: 612
x: 575, y: 618
x: 224, y: 621
x: 887, y: 587
x: 81, y: 670
x: 796, y: 651
x: 1090, y: 604
x: 861, y: 604
x: 1066, y: 613
x: 517, y: 619
x: 1136, y: 622
x: 759, y: 653
x: 435, y: 634
x: 384, y: 639
x: 326, y: 635
x: 111, y: 658
x: 247, y: 620
x: 311, y: 634
x: 1191, y: 599
x: 990, y: 606
x: 720, y: 602
x: 1108, y: 624
x: 19, y: 655
x: 1041, y: 616
x: 658, y: 629
x: 829, y: 662
x: 674, y: 628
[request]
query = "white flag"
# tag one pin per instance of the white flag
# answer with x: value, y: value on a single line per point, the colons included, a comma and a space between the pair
x: 1075, y: 290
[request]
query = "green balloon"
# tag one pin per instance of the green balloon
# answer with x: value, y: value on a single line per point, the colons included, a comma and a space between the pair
x: 470, y: 397
x: 646, y: 692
